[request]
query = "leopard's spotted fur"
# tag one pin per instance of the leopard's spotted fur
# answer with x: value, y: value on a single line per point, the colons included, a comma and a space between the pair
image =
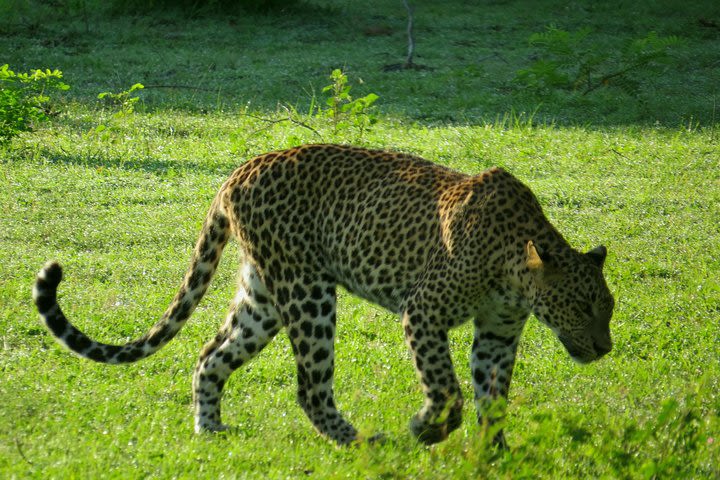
x: 435, y: 246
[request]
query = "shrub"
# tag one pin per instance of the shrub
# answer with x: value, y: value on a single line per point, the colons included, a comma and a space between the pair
x: 24, y: 99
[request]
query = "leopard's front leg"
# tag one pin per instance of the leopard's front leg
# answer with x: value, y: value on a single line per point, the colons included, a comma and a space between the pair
x: 441, y: 413
x: 491, y: 362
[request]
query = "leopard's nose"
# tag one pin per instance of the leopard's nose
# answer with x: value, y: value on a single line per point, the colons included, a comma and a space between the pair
x: 602, y: 347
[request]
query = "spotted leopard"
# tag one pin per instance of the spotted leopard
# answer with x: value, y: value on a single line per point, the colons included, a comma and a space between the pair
x: 433, y: 245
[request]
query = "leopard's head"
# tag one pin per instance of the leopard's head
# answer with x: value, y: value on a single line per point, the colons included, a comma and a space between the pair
x: 572, y: 298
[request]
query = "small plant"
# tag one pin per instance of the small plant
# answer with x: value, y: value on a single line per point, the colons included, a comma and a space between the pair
x: 572, y: 61
x: 24, y: 99
x: 124, y: 99
x: 124, y: 102
x: 342, y: 110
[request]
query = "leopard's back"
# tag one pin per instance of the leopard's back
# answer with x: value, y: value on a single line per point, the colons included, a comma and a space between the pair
x: 368, y: 219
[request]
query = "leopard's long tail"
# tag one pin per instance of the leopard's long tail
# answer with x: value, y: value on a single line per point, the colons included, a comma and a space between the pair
x: 209, y: 247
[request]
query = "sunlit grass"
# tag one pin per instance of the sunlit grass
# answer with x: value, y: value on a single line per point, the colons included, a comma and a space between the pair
x: 121, y: 210
x: 123, y: 223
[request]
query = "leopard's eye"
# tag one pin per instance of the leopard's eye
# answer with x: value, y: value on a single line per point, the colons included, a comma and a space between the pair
x: 587, y: 309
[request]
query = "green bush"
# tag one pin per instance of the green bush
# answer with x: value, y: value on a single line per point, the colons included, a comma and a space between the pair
x: 24, y: 99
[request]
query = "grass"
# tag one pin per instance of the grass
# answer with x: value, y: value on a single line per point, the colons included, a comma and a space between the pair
x: 121, y: 209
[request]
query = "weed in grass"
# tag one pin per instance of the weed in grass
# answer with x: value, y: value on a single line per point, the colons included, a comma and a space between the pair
x: 345, y: 112
x: 123, y: 102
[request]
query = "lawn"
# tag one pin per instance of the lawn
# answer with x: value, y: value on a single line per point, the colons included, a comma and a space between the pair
x: 118, y: 195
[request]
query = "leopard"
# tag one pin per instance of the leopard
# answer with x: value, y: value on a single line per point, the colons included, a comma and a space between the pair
x: 432, y: 245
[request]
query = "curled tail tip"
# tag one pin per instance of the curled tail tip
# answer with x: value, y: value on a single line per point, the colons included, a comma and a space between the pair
x: 50, y: 275
x: 45, y: 287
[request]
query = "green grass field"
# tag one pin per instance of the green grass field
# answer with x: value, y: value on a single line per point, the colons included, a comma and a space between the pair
x: 120, y: 209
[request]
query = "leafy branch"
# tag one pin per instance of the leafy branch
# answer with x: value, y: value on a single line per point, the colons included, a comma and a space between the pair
x: 572, y: 61
x: 273, y: 121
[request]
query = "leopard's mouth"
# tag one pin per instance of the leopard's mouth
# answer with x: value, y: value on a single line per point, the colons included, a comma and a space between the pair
x: 578, y: 355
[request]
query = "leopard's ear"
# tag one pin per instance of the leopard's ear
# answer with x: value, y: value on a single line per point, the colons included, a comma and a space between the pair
x: 541, y: 263
x: 597, y: 255
x: 535, y: 257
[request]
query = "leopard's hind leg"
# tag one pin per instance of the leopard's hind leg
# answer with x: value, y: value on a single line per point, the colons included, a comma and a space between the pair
x: 251, y: 324
x: 310, y: 316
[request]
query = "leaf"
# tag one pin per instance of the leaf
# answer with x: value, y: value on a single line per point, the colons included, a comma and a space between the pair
x: 368, y: 100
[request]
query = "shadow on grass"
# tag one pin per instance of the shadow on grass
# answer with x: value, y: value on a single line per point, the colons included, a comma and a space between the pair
x: 148, y: 164
x: 260, y: 61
